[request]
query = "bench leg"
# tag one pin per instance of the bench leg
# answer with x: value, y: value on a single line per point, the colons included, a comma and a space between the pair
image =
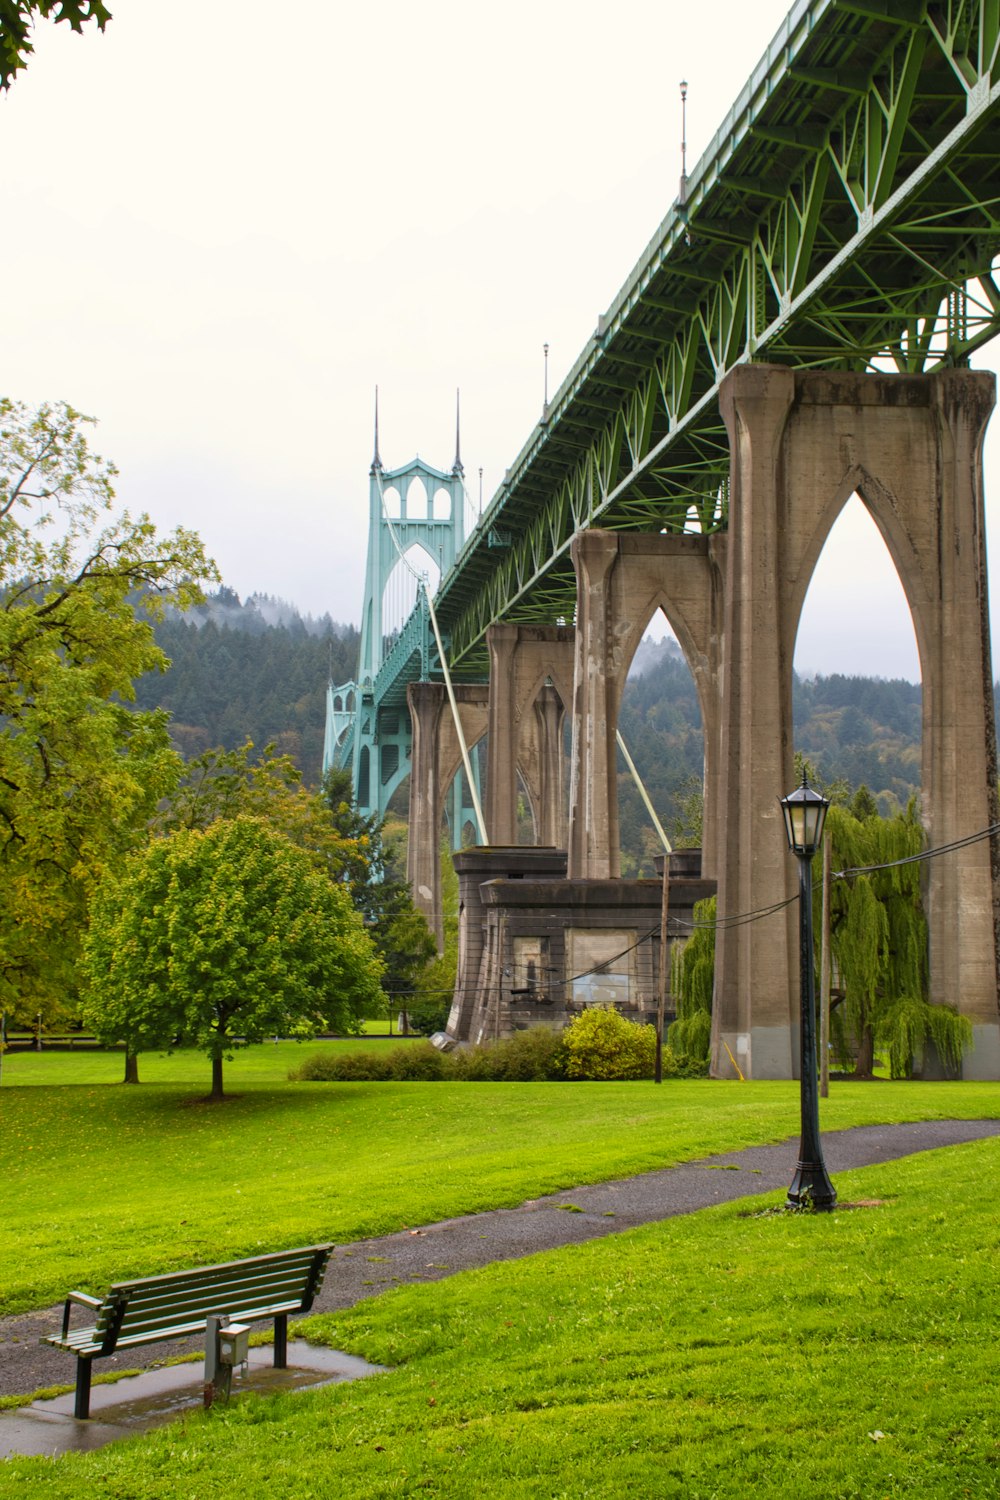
x: 281, y: 1342
x: 82, y: 1406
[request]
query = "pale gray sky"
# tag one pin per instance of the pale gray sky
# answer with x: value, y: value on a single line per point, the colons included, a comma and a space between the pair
x: 224, y: 224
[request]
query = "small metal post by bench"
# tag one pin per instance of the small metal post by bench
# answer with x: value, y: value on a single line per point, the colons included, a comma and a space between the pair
x: 226, y: 1346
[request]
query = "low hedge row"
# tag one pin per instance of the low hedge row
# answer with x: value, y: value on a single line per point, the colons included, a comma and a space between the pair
x: 597, y: 1045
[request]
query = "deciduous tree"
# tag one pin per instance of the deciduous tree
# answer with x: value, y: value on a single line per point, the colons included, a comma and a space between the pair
x: 879, y: 944
x: 219, y: 938
x: 236, y: 783
x: 80, y: 772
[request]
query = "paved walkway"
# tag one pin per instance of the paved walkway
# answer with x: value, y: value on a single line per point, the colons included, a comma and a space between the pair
x: 368, y: 1267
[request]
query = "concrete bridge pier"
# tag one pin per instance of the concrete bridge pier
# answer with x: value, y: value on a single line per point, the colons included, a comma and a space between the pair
x: 547, y: 767
x: 802, y: 442
x: 959, y: 740
x: 531, y: 680
x: 436, y: 757
x: 622, y: 579
x: 755, y: 1002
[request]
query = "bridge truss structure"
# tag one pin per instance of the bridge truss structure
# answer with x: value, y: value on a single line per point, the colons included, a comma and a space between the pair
x: 846, y: 216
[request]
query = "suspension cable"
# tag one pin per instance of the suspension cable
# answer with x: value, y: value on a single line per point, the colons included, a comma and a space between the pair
x: 912, y: 859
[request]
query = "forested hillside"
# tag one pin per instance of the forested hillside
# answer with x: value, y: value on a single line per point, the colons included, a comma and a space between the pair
x: 858, y: 730
x: 256, y: 670
x: 259, y: 670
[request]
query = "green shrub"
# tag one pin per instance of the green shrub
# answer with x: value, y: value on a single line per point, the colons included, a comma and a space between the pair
x: 600, y: 1044
x: 429, y: 1013
x: 532, y: 1056
x: 419, y: 1061
x: 344, y: 1067
x: 683, y: 1064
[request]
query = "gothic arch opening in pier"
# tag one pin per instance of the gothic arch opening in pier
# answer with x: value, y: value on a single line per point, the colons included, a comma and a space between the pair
x: 391, y: 502
x: 459, y: 827
x: 856, y: 693
x: 416, y: 500
x: 661, y: 723
x: 442, y: 505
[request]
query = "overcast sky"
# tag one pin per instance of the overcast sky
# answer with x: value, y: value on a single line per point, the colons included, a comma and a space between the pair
x: 226, y: 223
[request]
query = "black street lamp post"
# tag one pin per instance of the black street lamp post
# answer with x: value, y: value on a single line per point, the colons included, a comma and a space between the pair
x: 805, y: 813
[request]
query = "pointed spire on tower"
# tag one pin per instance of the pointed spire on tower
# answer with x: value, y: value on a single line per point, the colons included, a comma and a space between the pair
x: 456, y: 467
x: 376, y: 461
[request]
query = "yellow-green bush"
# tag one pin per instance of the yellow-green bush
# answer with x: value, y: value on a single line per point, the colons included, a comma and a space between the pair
x: 600, y: 1044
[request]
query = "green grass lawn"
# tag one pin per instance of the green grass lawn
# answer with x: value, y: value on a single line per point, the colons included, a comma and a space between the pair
x: 102, y: 1182
x: 268, y: 1063
x: 843, y: 1355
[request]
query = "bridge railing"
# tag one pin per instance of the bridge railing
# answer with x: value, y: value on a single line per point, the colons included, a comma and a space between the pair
x: 413, y: 640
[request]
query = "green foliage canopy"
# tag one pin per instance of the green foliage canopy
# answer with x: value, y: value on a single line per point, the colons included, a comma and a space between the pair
x: 17, y: 17
x: 224, y: 937
x: 225, y: 784
x: 691, y: 981
x: 80, y: 772
x: 879, y: 945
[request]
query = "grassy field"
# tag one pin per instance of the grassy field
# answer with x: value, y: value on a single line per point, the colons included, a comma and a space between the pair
x: 727, y: 1353
x: 268, y: 1063
x: 102, y: 1182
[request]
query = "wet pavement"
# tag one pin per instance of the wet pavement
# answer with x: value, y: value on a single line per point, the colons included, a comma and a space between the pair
x: 140, y: 1402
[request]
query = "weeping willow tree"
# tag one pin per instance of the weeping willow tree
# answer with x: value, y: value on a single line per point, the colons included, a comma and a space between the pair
x: 879, y: 946
x: 692, y: 976
x: 879, y: 949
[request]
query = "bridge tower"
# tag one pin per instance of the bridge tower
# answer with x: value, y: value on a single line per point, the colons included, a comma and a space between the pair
x: 416, y: 529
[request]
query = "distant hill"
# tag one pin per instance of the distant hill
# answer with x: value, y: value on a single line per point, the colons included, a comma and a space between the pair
x: 861, y: 730
x: 255, y: 669
x: 258, y: 669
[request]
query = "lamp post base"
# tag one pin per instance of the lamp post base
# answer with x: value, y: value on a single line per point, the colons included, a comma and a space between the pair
x: 811, y: 1188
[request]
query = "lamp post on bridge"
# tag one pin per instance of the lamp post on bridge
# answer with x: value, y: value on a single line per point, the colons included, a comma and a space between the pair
x: 805, y: 813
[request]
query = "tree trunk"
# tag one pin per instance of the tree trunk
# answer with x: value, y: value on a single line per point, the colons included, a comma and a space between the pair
x: 865, y: 1065
x: 131, y: 1067
x: 217, y: 1077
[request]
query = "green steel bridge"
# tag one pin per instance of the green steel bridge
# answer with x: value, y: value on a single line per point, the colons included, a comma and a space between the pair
x: 845, y: 216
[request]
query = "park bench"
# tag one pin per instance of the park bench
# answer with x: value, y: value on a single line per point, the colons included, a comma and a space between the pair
x: 179, y: 1304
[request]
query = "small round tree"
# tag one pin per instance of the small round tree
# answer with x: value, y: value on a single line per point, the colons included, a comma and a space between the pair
x: 219, y: 938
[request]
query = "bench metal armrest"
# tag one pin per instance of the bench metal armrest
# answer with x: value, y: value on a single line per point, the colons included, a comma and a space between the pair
x: 84, y: 1301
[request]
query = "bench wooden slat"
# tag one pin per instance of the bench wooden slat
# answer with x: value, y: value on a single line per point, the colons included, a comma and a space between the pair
x: 301, y: 1256
x: 148, y: 1330
x: 197, y: 1311
x: 88, y: 1341
x: 248, y: 1290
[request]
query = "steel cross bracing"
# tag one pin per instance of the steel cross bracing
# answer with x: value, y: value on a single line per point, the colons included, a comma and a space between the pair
x: 846, y: 216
